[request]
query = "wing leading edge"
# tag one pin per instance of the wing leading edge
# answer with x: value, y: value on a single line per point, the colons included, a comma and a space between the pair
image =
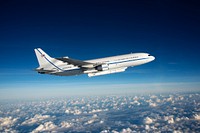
x: 79, y: 63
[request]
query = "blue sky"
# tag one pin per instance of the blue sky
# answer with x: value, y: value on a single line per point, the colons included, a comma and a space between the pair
x: 83, y: 30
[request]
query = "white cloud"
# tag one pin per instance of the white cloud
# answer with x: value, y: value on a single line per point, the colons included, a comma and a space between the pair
x: 67, y: 111
x: 10, y: 130
x: 153, y: 97
x: 51, y: 127
x: 152, y: 104
x: 105, y: 131
x: 101, y: 122
x: 178, y: 119
x: 75, y: 111
x: 94, y: 118
x: 90, y: 121
x: 35, y: 119
x: 128, y: 130
x: 113, y: 131
x: 197, y: 117
x: 7, y: 122
x: 95, y: 111
x: 46, y: 127
x: 158, y: 100
x: 148, y: 120
x: 169, y: 119
x: 65, y: 124
x: 135, y: 102
x: 170, y: 99
x: 147, y: 127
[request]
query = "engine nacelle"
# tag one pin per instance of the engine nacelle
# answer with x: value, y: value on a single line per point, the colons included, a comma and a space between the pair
x: 102, y: 67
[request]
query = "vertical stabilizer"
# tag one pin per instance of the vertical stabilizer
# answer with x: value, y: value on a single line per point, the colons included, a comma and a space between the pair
x: 43, y: 58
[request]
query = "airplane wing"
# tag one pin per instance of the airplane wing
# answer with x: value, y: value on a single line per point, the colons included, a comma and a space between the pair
x: 76, y: 62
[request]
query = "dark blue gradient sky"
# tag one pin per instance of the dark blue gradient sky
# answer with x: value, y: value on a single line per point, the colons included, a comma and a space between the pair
x: 167, y: 29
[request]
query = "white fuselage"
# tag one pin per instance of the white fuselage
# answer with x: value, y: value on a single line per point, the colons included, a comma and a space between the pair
x: 112, y: 64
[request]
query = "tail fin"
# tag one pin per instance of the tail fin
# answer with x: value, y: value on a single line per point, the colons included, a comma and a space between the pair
x: 43, y: 58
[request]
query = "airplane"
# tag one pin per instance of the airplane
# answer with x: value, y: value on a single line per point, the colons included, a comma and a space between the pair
x: 65, y: 66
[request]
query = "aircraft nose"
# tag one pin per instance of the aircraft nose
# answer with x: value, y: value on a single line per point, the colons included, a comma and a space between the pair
x: 152, y: 58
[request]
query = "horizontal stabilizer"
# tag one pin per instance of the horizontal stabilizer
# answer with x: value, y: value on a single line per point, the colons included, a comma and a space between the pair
x: 43, y: 71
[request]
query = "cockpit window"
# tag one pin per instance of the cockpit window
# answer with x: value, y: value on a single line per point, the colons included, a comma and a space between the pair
x: 149, y: 55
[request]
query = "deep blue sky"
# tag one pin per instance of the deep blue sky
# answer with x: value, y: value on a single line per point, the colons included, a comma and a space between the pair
x: 167, y: 29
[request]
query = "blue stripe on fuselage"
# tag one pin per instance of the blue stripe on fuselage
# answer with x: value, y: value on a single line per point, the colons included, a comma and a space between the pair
x: 127, y: 61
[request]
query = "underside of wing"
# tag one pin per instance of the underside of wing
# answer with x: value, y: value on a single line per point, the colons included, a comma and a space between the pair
x: 117, y: 70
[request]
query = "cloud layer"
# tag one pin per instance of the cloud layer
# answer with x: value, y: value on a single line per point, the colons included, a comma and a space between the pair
x: 116, y: 114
